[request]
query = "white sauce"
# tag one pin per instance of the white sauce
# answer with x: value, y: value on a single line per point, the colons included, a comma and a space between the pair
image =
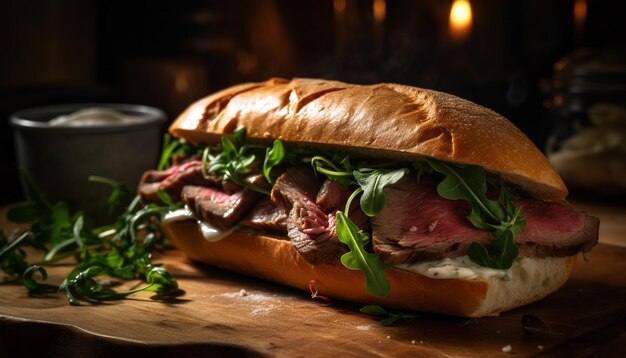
x: 209, y: 232
x: 448, y: 268
x: 91, y: 117
x: 178, y: 215
x: 214, y: 234
x: 458, y: 267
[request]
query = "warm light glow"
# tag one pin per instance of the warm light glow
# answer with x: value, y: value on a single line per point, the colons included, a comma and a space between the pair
x: 580, y: 10
x: 580, y: 13
x: 380, y: 10
x: 181, y: 82
x: 460, y: 20
x: 339, y: 5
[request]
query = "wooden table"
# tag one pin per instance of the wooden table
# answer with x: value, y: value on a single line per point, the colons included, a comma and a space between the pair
x: 228, y: 314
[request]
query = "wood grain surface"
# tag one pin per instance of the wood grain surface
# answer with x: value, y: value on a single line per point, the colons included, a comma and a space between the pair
x: 216, y: 318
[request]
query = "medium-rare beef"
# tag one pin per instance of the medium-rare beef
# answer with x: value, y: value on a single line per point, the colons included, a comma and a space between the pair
x: 311, y: 230
x: 418, y: 225
x: 553, y: 229
x: 267, y: 216
x: 332, y: 196
x: 295, y: 184
x: 173, y: 180
x: 219, y: 208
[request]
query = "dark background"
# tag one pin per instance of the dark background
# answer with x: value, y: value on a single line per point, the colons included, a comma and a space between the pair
x: 169, y: 53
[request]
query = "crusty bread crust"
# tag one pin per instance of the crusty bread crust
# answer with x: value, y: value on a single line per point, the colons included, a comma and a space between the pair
x: 383, y: 120
x: 276, y: 260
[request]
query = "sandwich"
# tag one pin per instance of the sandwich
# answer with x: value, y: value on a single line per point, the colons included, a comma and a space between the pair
x: 381, y: 194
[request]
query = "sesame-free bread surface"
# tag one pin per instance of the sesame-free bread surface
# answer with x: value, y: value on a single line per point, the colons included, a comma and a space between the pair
x: 273, y: 259
x: 383, y: 120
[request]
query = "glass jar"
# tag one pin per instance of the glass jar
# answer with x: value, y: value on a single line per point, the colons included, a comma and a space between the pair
x: 586, y: 102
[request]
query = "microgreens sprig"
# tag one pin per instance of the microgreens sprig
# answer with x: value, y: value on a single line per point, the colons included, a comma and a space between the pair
x: 232, y: 160
x: 115, y: 251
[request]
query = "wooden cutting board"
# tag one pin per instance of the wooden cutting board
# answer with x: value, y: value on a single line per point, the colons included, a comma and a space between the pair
x: 223, y: 313
x: 215, y: 316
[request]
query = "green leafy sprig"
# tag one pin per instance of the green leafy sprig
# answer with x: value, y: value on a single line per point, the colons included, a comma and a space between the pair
x: 12, y: 256
x: 358, y: 258
x: 333, y: 171
x: 371, y: 182
x: 273, y: 157
x: 390, y: 317
x: 115, y: 251
x: 173, y: 148
x: 501, y: 216
x: 232, y: 160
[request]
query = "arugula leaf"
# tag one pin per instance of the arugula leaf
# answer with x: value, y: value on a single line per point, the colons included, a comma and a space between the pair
x: 502, y: 254
x: 12, y: 257
x: 327, y: 167
x: 32, y: 285
x: 120, y: 196
x: 373, y: 182
x: 374, y: 310
x: 173, y: 148
x: 273, y: 157
x: 232, y: 160
x: 34, y: 194
x: 240, y: 136
x: 469, y: 183
x: 165, y: 197
x: 422, y: 168
x: 390, y: 317
x: 114, y: 250
x: 160, y: 281
x: 80, y: 284
x: 358, y: 258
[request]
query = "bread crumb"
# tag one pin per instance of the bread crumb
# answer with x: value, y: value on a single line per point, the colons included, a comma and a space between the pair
x: 507, y: 349
x: 242, y: 293
x: 388, y: 337
x: 413, y: 229
x: 540, y: 347
x: 413, y: 342
x: 432, y: 226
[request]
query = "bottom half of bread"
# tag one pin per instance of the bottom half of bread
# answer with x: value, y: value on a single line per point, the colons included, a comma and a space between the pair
x: 276, y: 260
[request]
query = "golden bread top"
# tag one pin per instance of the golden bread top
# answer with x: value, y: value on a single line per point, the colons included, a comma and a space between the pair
x: 382, y: 120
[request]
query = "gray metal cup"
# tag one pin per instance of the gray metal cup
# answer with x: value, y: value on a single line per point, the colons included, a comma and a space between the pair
x: 61, y: 158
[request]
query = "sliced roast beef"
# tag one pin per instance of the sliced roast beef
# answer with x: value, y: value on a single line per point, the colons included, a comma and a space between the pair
x: 174, y: 179
x: 312, y: 230
x: 219, y: 208
x: 418, y: 225
x: 553, y: 229
x: 267, y: 216
x: 332, y: 196
x: 297, y: 183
